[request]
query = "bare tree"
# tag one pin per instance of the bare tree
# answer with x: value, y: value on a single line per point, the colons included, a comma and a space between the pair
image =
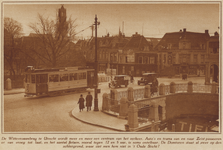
x: 12, y: 31
x: 54, y: 39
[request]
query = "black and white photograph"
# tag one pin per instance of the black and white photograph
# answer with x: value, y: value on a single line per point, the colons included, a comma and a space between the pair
x: 111, y: 74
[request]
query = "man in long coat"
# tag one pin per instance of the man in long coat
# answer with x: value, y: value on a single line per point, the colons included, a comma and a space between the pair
x: 89, y: 101
x: 81, y: 103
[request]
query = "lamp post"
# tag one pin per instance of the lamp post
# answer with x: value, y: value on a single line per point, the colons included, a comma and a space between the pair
x: 96, y: 68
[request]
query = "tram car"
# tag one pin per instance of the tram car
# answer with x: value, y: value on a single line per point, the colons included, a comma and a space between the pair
x: 57, y: 81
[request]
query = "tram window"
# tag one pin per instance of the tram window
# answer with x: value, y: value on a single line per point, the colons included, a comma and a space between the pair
x: 33, y: 79
x: 54, y: 78
x: 28, y: 78
x: 64, y: 77
x: 41, y: 78
x: 82, y: 75
x: 73, y: 76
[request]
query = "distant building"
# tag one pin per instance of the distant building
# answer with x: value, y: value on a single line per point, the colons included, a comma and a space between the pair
x: 184, y: 51
x: 212, y: 60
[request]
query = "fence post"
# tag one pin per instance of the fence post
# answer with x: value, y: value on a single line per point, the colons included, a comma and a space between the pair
x: 214, y: 88
x: 162, y: 89
x: 147, y: 93
x: 130, y: 94
x: 133, y: 117
x: 190, y: 87
x: 105, y: 102
x: 123, y: 111
x: 172, y: 87
x: 8, y: 84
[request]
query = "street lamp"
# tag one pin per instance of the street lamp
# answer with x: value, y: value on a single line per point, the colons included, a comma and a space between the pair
x: 96, y: 68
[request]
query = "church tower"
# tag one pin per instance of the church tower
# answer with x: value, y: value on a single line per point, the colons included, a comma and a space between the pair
x: 62, y: 17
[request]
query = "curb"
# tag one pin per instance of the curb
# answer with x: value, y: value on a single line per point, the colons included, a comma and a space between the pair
x: 106, y: 127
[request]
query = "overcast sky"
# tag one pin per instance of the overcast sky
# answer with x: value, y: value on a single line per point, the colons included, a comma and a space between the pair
x: 149, y: 19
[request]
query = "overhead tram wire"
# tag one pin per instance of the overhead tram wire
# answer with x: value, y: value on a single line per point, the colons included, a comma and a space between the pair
x: 83, y: 30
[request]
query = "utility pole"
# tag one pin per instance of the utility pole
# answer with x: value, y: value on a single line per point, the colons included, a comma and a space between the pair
x: 96, y: 68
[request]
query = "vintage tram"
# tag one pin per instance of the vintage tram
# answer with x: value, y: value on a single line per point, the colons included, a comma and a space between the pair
x: 57, y: 81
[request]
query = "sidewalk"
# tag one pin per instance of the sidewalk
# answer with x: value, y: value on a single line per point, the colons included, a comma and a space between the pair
x: 14, y: 91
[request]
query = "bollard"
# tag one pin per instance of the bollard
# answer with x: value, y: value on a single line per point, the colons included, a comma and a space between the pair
x: 190, y: 87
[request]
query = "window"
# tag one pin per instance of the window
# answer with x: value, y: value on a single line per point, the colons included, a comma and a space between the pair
x: 123, y: 69
x: 164, y: 58
x: 33, y: 80
x: 140, y: 60
x: 41, y: 78
x: 202, y: 58
x: 195, y: 58
x: 63, y: 77
x: 132, y: 68
x: 152, y: 60
x: 174, y: 59
x: 54, y: 78
x: 145, y: 59
x: 82, y: 75
x: 73, y: 76
x: 28, y: 78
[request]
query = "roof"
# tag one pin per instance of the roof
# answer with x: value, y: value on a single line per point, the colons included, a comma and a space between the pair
x: 174, y: 38
x: 138, y: 42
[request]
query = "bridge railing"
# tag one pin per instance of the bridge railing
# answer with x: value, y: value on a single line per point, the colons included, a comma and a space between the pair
x: 141, y: 96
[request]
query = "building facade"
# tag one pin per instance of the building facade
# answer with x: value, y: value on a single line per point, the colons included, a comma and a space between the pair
x: 183, y: 51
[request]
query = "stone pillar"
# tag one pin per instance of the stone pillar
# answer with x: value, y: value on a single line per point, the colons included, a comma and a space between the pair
x: 8, y: 84
x: 162, y: 89
x: 147, y: 93
x: 123, y: 111
x: 190, y: 87
x: 172, y: 87
x: 114, y: 96
x: 214, y: 88
x: 133, y: 117
x: 130, y: 94
x: 105, y: 102
x: 153, y: 112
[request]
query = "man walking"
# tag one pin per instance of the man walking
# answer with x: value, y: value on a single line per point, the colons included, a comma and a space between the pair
x: 89, y: 101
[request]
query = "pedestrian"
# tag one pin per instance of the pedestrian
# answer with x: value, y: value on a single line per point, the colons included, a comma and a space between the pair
x: 81, y: 103
x: 89, y: 101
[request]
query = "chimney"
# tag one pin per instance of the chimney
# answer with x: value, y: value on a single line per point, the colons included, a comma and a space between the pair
x: 206, y: 31
x: 180, y: 30
x: 216, y: 34
x: 185, y: 30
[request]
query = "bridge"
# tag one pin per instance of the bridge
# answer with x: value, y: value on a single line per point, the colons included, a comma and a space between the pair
x: 175, y: 107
